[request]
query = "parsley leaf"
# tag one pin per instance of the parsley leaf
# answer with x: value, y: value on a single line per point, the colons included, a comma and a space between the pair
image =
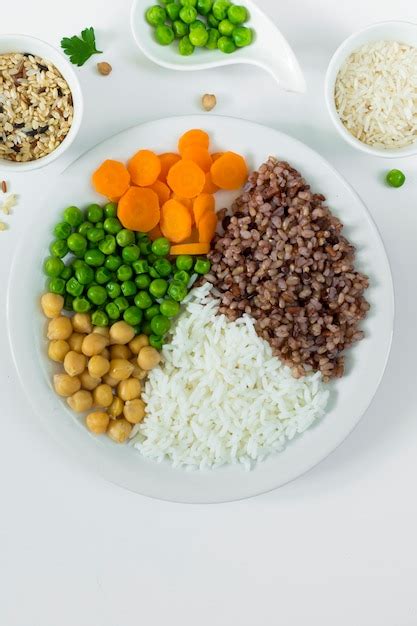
x: 80, y: 49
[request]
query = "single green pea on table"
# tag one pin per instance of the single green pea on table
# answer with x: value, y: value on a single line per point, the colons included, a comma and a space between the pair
x: 209, y: 24
x: 115, y: 273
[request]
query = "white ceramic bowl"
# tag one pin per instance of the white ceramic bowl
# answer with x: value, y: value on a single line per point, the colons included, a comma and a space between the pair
x: 24, y: 43
x: 269, y: 50
x: 404, y: 32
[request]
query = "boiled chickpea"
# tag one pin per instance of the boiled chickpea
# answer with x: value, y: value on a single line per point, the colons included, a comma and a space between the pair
x: 81, y: 401
x: 52, y: 304
x: 138, y: 342
x: 89, y: 382
x: 66, y: 385
x: 59, y: 328
x: 101, y: 330
x: 134, y: 411
x: 98, y: 366
x: 94, y: 344
x: 148, y: 358
x: 119, y: 430
x: 106, y: 353
x: 57, y: 350
x: 120, y: 369
x: 97, y: 422
x: 103, y: 395
x: 109, y: 380
x: 120, y: 352
x: 137, y: 371
x: 129, y: 389
x: 116, y: 407
x: 74, y: 363
x: 121, y: 333
x: 81, y: 323
x: 76, y: 341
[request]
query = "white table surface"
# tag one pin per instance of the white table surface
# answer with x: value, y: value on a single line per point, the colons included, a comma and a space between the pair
x: 338, y: 546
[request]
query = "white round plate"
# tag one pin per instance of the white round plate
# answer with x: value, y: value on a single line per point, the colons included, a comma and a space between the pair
x: 123, y: 465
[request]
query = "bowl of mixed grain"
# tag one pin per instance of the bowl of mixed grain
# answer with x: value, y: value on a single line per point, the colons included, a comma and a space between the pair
x: 41, y: 103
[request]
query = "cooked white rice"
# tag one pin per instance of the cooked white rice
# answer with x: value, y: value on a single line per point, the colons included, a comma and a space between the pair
x: 221, y: 396
x: 376, y: 94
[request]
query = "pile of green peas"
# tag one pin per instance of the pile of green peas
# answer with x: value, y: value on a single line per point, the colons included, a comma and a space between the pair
x: 210, y: 24
x: 115, y: 273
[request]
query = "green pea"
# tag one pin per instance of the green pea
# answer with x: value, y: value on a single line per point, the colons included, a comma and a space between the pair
x: 62, y: 230
x: 81, y: 305
x: 84, y: 227
x: 182, y: 276
x: 143, y: 300
x: 84, y: 274
x: 69, y: 302
x: 112, y: 262
x: 197, y: 24
x: 161, y: 246
x: 53, y: 266
x: 242, y: 36
x: 163, y: 267
x: 131, y: 253
x: 94, y: 257
x: 155, y: 15
x: 100, y: 318
x: 100, y: 225
x: 56, y: 285
x: 77, y: 263
x: 73, y: 287
x: 160, y: 325
x: 146, y: 327
x: 145, y: 247
x: 226, y: 28
x: 213, y: 38
x: 152, y: 258
x: 58, y: 248
x: 97, y: 294
x: 153, y: 273
x: 128, y: 288
x: 188, y: 3
x: 103, y: 275
x: 226, y: 45
x: 158, y: 287
x: 169, y: 308
x: 184, y: 262
x: 173, y: 10
x: 188, y: 14
x: 94, y: 213
x: 141, y: 266
x: 142, y: 281
x: 151, y: 311
x: 142, y: 237
x: 66, y: 273
x: 73, y: 216
x: 112, y: 311
x: 113, y: 289
x: 237, y: 14
x: 180, y: 29
x: 156, y: 342
x: 107, y: 245
x: 121, y: 303
x: 199, y: 37
x: 133, y: 315
x: 124, y: 272
x: 164, y: 34
x: 395, y: 178
x: 125, y: 237
x: 212, y: 21
x: 110, y: 209
x: 202, y: 266
x: 112, y: 225
x: 204, y: 6
x: 77, y: 243
x: 220, y: 8
x: 177, y: 291
x: 95, y: 235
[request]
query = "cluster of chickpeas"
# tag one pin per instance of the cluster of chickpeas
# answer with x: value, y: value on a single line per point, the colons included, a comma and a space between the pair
x: 103, y: 368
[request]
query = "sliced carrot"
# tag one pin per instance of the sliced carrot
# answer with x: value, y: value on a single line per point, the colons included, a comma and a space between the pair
x: 188, y: 202
x: 190, y: 248
x: 111, y: 179
x: 144, y: 168
x: 186, y: 179
x: 229, y: 171
x: 138, y: 209
x: 195, y: 136
x: 199, y: 155
x: 216, y: 155
x: 204, y: 202
x: 167, y: 160
x: 209, y: 186
x: 207, y: 226
x: 175, y: 221
x: 155, y: 233
x: 162, y: 191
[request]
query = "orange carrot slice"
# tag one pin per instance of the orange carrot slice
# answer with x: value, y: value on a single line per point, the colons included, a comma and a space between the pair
x: 186, y: 179
x: 190, y: 248
x: 155, y: 233
x: 209, y: 186
x: 204, y: 202
x: 162, y: 191
x: 207, y: 226
x: 175, y: 221
x: 144, y: 168
x: 229, y: 171
x: 111, y: 179
x: 195, y: 136
x: 138, y: 209
x: 216, y: 155
x: 167, y: 160
x: 199, y: 155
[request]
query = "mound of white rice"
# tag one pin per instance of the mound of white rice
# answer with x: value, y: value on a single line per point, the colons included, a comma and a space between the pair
x: 220, y: 396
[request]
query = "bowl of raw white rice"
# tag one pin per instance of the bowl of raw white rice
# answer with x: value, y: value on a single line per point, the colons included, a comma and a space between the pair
x: 371, y: 89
